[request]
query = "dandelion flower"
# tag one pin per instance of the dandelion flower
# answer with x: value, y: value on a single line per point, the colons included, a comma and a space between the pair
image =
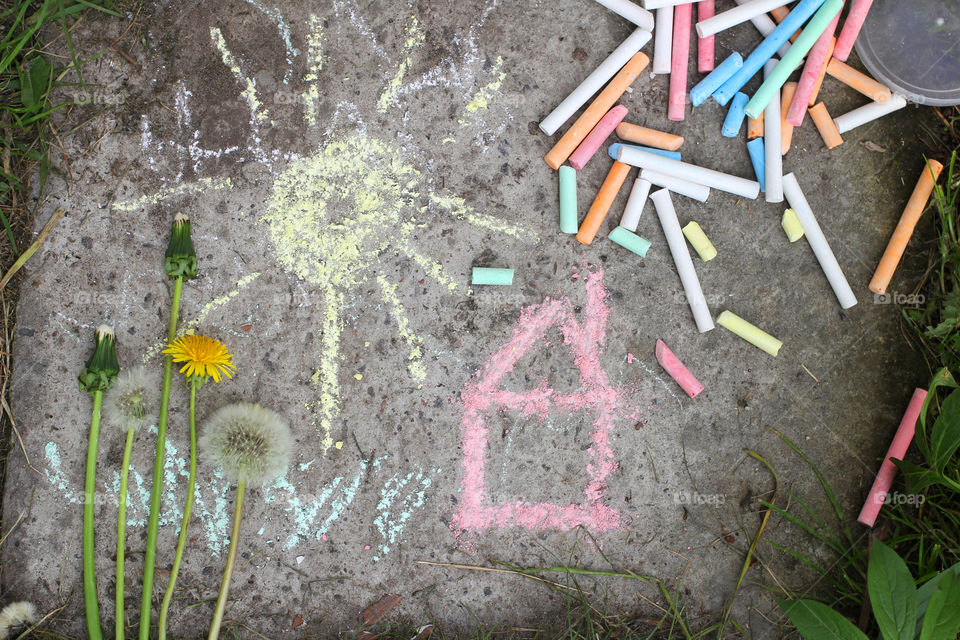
x: 250, y: 443
x: 203, y: 357
x: 131, y: 403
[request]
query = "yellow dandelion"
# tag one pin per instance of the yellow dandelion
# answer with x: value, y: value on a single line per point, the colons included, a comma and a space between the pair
x: 203, y: 356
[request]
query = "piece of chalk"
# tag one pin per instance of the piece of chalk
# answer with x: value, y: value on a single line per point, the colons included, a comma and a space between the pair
x: 677, y: 185
x: 677, y: 370
x: 706, y: 46
x: 816, y: 59
x: 916, y: 205
x: 786, y: 129
x: 703, y: 89
x: 851, y: 28
x: 754, y: 126
x: 772, y: 151
x: 659, y: 4
x: 734, y: 120
x: 602, y: 202
x: 491, y: 276
x: 679, y: 59
x: 700, y: 242
x: 791, y: 225
x: 630, y: 11
x: 756, y: 150
x: 825, y: 125
x: 888, y: 469
x: 597, y: 136
x: 635, y: 203
x: 755, y: 61
x: 649, y: 137
x: 569, y: 216
x: 751, y: 333
x: 823, y: 74
x: 818, y: 242
x: 811, y: 32
x: 681, y: 257
x: 614, y: 149
x: 615, y: 62
x: 858, y: 81
x: 869, y: 113
x: 663, y: 43
x: 779, y: 14
x: 630, y: 241
x: 735, y: 16
x: 765, y: 26
x: 700, y: 175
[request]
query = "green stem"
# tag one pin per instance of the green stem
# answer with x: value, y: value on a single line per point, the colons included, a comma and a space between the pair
x: 231, y: 560
x: 89, y: 571
x: 187, y: 510
x: 122, y: 531
x: 154, y: 522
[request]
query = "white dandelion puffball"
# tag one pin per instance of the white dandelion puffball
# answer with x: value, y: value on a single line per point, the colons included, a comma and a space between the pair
x: 247, y: 442
x: 131, y: 403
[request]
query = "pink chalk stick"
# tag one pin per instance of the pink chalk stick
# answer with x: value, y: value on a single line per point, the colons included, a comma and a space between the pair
x: 579, y: 158
x: 682, y: 17
x: 672, y: 365
x: 810, y: 75
x: 705, y: 49
x: 898, y: 448
x: 851, y: 28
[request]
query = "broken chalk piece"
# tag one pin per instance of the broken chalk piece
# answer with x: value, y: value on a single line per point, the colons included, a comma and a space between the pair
x: 752, y: 334
x: 703, y: 89
x: 851, y: 27
x: 663, y: 44
x: 825, y: 125
x: 694, y: 173
x: 493, y: 276
x: 755, y: 148
x: 888, y: 469
x: 602, y: 202
x: 772, y: 150
x: 868, y: 113
x: 823, y: 73
x: 635, y: 203
x: 786, y: 129
x: 597, y: 136
x: 677, y: 185
x: 569, y: 216
x: 754, y: 127
x: 791, y: 225
x: 649, y: 137
x: 630, y: 241
x: 614, y: 149
x: 734, y: 120
x: 859, y: 81
x: 677, y: 90
x: 677, y: 370
x: 700, y: 242
x: 706, y: 47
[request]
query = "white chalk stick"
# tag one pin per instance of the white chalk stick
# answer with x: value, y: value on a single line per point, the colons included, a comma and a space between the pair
x: 765, y: 25
x: 630, y: 11
x: 772, y: 145
x: 677, y: 185
x: 735, y: 16
x: 681, y: 257
x: 818, y: 242
x: 595, y: 81
x: 663, y: 42
x: 659, y: 4
x: 691, y: 172
x: 635, y: 203
x: 869, y: 113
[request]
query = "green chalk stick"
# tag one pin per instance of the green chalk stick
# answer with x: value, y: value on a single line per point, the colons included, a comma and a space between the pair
x: 629, y: 240
x: 754, y: 335
x: 794, y: 56
x: 485, y: 275
x: 569, y: 216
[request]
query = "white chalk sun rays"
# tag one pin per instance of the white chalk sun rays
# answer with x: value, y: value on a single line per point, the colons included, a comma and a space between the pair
x: 334, y: 213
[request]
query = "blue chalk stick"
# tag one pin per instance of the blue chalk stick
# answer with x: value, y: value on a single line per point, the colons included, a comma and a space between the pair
x: 755, y: 148
x: 614, y: 149
x: 734, y: 120
x: 767, y: 49
x: 715, y: 79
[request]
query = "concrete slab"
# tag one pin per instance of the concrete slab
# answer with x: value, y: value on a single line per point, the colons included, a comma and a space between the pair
x: 345, y: 165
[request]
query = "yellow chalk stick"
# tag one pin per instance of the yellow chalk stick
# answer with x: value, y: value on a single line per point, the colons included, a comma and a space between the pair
x: 754, y: 335
x: 701, y: 243
x: 791, y: 225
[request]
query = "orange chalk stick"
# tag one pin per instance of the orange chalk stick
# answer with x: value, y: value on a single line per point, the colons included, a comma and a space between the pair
x: 779, y: 14
x: 908, y: 220
x: 786, y: 129
x: 859, y: 81
x: 601, y: 204
x: 649, y: 137
x: 597, y: 109
x: 823, y: 73
x: 825, y: 125
x: 755, y: 127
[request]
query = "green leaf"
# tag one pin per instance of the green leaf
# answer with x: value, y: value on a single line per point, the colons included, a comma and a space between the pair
x: 892, y: 593
x: 35, y: 81
x: 945, y: 437
x: 928, y: 588
x: 816, y: 621
x: 942, y: 619
x: 941, y: 378
x: 918, y: 478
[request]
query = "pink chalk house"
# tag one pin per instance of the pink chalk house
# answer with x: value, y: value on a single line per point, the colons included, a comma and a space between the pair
x: 483, y: 396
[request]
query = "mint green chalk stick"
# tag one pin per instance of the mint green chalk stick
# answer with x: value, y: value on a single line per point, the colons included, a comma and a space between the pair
x: 752, y: 334
x: 487, y: 275
x: 794, y: 56
x: 569, y: 216
x: 629, y: 240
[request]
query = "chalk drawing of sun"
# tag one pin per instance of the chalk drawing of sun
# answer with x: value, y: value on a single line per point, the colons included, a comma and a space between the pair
x: 332, y: 213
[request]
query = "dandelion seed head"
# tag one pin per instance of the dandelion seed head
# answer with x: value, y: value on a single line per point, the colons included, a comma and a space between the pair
x: 248, y: 442
x: 132, y: 401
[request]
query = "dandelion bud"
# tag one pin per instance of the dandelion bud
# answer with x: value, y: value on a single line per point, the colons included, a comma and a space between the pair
x: 181, y: 258
x: 102, y: 367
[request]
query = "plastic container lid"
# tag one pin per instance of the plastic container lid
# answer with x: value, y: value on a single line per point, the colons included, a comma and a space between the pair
x: 914, y: 48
